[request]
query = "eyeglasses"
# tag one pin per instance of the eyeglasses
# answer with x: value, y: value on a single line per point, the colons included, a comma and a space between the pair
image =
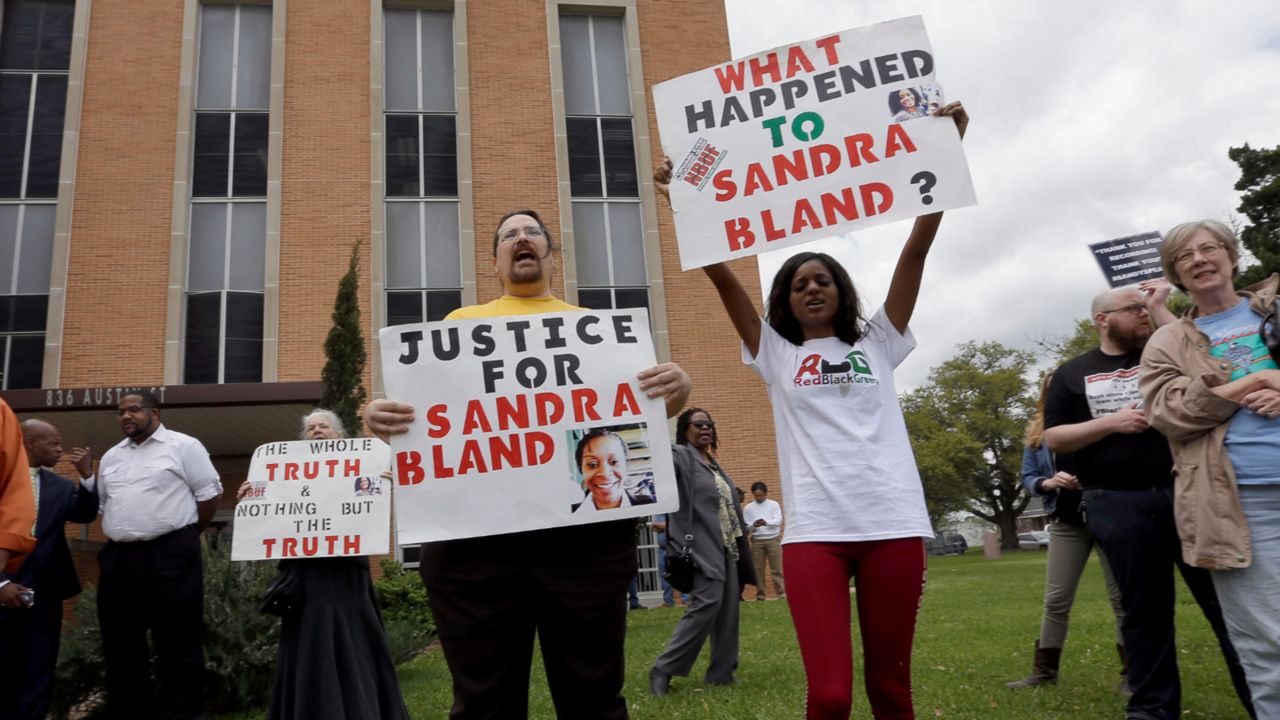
x: 703, y: 424
x: 533, y: 232
x: 1207, y: 250
x: 133, y: 410
x: 1136, y: 309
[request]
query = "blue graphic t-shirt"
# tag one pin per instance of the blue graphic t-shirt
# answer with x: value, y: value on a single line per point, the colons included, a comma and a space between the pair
x: 1253, y: 442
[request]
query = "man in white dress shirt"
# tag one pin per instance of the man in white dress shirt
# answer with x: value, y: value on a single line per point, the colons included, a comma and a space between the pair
x: 764, y: 518
x: 158, y: 492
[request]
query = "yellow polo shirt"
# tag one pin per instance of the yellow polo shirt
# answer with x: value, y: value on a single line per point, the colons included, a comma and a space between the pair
x: 511, y: 305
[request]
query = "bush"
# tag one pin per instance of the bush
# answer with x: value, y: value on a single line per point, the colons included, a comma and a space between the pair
x: 403, y: 602
x: 81, y: 674
x: 239, y: 642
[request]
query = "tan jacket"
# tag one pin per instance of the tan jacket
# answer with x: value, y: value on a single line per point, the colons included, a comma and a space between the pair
x: 1176, y: 382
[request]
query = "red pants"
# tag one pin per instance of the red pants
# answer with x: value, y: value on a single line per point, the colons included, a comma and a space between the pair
x: 889, y: 576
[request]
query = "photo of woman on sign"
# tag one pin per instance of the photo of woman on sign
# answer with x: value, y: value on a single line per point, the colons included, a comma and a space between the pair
x: 602, y: 469
x: 907, y: 104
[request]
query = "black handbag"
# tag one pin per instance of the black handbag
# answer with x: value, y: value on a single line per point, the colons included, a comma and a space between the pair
x: 1272, y: 339
x: 283, y: 595
x: 680, y: 564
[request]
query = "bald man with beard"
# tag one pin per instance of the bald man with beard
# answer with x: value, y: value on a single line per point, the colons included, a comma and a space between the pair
x: 1093, y: 410
x: 29, y: 635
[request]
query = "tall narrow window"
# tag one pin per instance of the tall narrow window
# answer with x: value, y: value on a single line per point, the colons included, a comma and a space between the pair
x: 424, y: 267
x: 227, y: 221
x: 608, y: 237
x: 35, y: 55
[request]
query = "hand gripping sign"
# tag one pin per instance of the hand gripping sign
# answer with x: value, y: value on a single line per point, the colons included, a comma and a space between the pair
x: 315, y: 498
x: 525, y: 422
x: 808, y: 141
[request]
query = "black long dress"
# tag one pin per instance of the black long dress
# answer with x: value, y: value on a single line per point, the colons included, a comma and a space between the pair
x: 334, y: 663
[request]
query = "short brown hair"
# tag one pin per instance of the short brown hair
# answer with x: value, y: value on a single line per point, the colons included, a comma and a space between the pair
x: 551, y: 243
x: 1178, y: 236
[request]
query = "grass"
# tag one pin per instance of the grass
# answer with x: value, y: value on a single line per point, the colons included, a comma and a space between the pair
x: 978, y: 622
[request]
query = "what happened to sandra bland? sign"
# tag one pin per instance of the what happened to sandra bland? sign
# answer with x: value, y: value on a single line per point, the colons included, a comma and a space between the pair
x: 525, y: 422
x: 808, y: 141
x: 315, y: 498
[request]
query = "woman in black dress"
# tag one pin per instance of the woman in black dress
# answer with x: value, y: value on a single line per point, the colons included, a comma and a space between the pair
x: 334, y: 663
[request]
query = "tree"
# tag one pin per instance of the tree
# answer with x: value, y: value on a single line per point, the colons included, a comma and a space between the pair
x: 1080, y: 341
x: 1259, y: 185
x: 966, y: 427
x: 345, y: 356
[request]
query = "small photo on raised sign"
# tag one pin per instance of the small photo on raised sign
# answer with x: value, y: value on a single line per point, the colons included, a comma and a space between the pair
x: 370, y: 485
x: 916, y: 102
x: 610, y: 468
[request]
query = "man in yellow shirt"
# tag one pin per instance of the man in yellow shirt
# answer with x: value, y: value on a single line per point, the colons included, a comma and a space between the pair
x: 490, y: 595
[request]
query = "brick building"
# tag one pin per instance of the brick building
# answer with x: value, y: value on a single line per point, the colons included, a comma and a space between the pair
x: 181, y: 184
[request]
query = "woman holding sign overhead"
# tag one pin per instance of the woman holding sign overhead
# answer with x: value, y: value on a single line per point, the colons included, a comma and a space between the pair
x: 334, y: 662
x: 854, y: 504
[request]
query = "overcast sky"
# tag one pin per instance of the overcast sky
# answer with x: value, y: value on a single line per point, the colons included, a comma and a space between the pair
x: 1091, y: 120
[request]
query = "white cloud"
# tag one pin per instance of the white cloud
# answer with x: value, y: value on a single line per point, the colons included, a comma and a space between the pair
x: 1091, y: 120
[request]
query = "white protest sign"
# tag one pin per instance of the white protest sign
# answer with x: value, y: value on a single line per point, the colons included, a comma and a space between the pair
x: 315, y: 498
x: 808, y: 141
x: 1129, y: 260
x: 525, y: 422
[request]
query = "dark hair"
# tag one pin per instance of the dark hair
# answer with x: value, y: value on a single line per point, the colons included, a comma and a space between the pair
x: 848, y: 318
x: 682, y: 427
x: 149, y: 398
x: 592, y: 435
x: 551, y: 243
x: 895, y: 101
x: 759, y: 486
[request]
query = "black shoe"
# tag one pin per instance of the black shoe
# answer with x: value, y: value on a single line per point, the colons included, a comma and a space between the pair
x: 639, y: 607
x: 730, y: 681
x: 659, y: 682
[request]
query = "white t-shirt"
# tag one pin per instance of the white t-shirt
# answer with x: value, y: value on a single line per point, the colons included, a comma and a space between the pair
x: 848, y: 472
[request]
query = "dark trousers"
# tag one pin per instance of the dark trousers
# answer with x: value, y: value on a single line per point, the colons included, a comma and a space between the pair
x: 28, y: 657
x: 1136, y: 531
x: 491, y: 595
x: 157, y: 586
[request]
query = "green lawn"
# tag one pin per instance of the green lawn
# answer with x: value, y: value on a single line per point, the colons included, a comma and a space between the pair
x: 977, y: 625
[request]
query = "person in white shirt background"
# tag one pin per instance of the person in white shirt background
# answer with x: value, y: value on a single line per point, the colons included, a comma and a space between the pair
x: 764, y: 518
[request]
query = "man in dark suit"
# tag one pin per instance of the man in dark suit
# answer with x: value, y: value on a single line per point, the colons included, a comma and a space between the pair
x: 30, y: 634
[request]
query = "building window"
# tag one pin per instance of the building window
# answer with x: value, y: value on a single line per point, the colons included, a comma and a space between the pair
x: 424, y: 267
x: 603, y: 181
x: 35, y: 57
x: 226, y: 235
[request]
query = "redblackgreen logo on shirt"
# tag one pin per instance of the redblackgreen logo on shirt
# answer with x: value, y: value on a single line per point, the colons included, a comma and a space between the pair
x: 855, y: 369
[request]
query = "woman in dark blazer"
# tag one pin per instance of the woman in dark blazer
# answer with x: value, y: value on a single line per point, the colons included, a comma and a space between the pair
x: 710, y: 522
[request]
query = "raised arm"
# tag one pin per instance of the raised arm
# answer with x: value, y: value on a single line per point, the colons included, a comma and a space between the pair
x: 1155, y: 295
x: 900, y: 303
x: 743, y: 314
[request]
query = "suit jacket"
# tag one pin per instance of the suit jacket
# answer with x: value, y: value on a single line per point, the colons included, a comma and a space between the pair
x: 699, y: 513
x: 49, y: 570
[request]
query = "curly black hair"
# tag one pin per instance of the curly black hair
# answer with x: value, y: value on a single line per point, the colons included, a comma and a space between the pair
x: 848, y: 318
x: 598, y: 433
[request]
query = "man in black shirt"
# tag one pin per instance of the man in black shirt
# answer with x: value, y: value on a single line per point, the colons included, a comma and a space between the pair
x: 1094, y: 411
